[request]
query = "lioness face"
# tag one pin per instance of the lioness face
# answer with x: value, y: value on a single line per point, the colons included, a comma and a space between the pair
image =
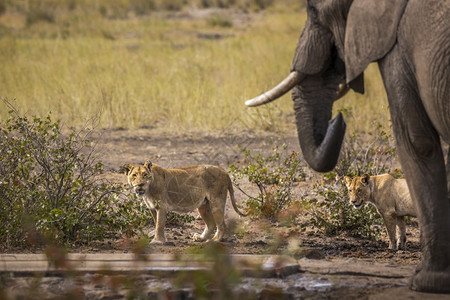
x: 139, y: 177
x: 358, y: 189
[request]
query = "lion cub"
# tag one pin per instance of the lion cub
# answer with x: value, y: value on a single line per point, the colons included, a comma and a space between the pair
x: 182, y: 190
x: 390, y: 196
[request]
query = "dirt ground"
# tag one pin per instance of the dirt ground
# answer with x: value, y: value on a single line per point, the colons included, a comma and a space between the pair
x: 253, y: 236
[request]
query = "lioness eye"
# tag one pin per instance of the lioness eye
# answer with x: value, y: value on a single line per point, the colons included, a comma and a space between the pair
x: 134, y: 175
x: 145, y: 175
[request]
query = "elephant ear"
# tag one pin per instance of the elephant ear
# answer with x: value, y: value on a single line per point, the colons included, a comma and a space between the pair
x: 370, y: 33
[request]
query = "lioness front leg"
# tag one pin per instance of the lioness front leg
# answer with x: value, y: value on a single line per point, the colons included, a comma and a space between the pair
x: 401, y: 240
x: 390, y: 224
x: 161, y: 217
x: 154, y: 214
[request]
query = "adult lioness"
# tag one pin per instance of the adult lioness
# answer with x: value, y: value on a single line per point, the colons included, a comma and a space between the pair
x: 182, y: 190
x: 390, y: 196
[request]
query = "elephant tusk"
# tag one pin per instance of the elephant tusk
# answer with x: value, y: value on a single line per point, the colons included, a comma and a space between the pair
x: 343, y: 89
x: 282, y: 88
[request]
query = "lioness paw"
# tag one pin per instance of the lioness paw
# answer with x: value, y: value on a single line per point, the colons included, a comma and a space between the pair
x: 198, y: 237
x: 157, y: 242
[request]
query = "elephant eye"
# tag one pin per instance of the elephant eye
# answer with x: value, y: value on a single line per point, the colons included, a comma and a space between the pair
x: 312, y: 9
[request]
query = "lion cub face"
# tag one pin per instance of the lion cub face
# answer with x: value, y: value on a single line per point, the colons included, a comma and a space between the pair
x: 139, y: 177
x: 358, y: 189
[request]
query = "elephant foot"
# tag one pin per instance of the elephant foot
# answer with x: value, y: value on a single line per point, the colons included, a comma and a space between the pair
x: 431, y: 281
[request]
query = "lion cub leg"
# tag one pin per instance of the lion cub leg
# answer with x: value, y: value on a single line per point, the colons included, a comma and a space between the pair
x: 391, y: 223
x: 210, y: 225
x: 161, y: 217
x: 401, y: 240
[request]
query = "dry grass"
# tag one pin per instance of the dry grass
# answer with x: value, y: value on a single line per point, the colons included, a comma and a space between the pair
x: 177, y: 70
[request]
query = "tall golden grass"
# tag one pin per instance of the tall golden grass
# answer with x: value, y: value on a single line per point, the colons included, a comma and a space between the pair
x: 168, y: 70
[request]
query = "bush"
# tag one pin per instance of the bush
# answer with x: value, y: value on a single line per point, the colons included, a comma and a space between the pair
x: 372, y: 154
x: 274, y: 176
x: 50, y: 190
x: 331, y: 211
x: 328, y: 209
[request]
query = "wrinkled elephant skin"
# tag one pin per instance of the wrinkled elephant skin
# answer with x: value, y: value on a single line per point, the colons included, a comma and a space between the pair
x: 410, y: 40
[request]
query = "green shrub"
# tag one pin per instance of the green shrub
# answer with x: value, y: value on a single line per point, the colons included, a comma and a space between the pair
x: 373, y: 153
x: 50, y: 189
x: 331, y: 210
x: 328, y: 209
x: 332, y: 213
x: 274, y: 175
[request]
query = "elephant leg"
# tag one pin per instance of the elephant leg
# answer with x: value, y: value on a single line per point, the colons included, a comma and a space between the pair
x: 448, y: 174
x: 420, y: 154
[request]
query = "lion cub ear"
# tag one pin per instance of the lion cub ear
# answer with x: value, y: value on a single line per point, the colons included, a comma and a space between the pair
x: 148, y: 164
x: 125, y: 169
x: 347, y: 180
x: 365, y: 179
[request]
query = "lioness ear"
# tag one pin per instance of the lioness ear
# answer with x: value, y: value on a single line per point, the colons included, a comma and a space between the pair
x: 125, y: 169
x: 148, y: 164
x: 347, y: 180
x: 365, y: 178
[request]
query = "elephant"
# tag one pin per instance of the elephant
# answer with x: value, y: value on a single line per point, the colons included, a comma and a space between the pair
x: 410, y: 41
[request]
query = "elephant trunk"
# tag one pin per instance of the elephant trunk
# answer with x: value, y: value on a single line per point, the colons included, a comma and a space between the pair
x: 320, y: 139
x: 282, y: 88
